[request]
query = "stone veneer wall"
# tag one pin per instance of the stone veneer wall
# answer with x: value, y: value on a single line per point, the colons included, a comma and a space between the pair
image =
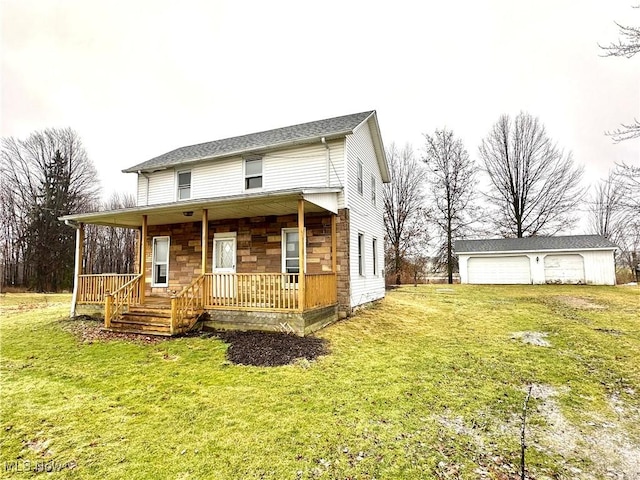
x: 259, y: 245
x: 344, y: 280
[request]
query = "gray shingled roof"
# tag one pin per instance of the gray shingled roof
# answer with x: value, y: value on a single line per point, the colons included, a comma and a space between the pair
x: 571, y: 242
x: 330, y: 127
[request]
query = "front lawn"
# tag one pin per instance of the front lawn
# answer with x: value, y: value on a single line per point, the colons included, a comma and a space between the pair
x: 428, y: 383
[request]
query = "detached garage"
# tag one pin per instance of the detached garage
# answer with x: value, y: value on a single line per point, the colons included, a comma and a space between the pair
x: 575, y: 259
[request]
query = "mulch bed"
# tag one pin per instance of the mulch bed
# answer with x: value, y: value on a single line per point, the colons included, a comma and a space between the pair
x: 262, y: 349
x: 265, y: 349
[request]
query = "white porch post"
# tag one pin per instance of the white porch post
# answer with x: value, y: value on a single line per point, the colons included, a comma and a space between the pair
x: 78, y: 266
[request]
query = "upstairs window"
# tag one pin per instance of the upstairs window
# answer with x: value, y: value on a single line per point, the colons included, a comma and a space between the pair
x: 184, y: 185
x: 373, y: 190
x: 252, y: 173
x: 360, y: 189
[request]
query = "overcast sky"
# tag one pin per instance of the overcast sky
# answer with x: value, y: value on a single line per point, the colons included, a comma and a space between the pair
x: 138, y: 78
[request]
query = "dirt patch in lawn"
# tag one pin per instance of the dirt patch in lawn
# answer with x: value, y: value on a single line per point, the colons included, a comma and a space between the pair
x: 266, y: 349
x: 580, y: 303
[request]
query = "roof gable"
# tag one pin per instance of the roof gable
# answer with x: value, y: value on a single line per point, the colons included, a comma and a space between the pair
x: 570, y: 242
x: 261, y: 141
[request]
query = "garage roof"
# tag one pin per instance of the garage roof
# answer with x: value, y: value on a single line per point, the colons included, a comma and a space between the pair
x: 528, y: 244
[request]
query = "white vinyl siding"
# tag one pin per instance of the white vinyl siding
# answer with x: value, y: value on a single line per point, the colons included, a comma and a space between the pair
x: 218, y: 178
x: 363, y: 215
x: 303, y: 166
x: 142, y: 191
x: 162, y: 187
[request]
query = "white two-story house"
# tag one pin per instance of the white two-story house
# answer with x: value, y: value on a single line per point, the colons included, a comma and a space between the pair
x: 276, y: 230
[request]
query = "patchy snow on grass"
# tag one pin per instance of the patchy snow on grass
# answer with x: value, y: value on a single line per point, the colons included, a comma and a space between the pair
x: 532, y: 338
x: 611, y: 451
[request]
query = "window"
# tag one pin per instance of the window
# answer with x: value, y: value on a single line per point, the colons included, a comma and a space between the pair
x: 361, y: 254
x: 252, y: 173
x: 375, y: 256
x: 373, y: 190
x: 184, y: 185
x: 290, y: 250
x: 160, y: 262
x: 360, y: 189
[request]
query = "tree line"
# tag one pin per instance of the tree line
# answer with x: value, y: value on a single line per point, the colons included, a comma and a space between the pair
x: 43, y: 177
x: 534, y: 188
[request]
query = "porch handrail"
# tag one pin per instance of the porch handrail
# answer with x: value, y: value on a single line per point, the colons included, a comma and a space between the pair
x: 93, y: 287
x: 187, y: 303
x: 115, y: 302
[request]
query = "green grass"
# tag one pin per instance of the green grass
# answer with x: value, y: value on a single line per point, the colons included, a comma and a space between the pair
x: 425, y: 384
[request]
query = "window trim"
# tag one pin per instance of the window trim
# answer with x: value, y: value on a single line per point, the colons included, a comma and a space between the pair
x: 178, y: 172
x: 246, y: 177
x: 361, y: 262
x: 283, y: 249
x: 374, y: 244
x: 359, y: 178
x: 154, y: 263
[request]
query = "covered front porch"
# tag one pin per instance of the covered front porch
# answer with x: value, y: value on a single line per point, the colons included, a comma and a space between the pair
x: 230, y: 263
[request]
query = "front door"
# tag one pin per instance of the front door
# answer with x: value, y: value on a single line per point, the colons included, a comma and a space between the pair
x: 224, y: 264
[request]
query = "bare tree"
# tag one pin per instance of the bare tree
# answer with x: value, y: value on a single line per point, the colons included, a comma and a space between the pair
x: 535, y: 187
x: 627, y: 46
x: 404, y: 211
x: 605, y: 209
x: 46, y: 176
x: 111, y: 249
x: 628, y: 184
x: 452, y: 179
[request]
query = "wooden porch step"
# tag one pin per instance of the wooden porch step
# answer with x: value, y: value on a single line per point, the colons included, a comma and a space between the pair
x: 159, y: 333
x: 138, y: 319
x: 151, y: 328
x: 153, y: 311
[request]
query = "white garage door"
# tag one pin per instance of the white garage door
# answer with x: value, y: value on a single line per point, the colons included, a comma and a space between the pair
x: 506, y: 270
x: 568, y: 268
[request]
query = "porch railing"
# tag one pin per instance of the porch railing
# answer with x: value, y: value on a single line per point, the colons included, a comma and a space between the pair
x: 320, y: 290
x: 267, y: 291
x: 116, y: 302
x: 93, y: 288
x: 188, y: 303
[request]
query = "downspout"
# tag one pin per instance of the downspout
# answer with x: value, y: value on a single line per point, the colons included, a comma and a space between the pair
x: 324, y: 142
x: 76, y: 270
x: 146, y: 201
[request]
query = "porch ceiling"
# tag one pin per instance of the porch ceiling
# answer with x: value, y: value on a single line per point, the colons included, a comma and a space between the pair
x: 283, y: 202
